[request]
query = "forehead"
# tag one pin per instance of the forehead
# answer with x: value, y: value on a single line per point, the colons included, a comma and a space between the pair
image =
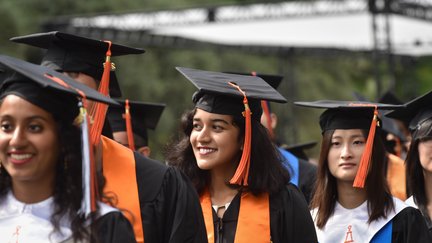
x: 14, y: 105
x: 347, y: 133
x: 202, y: 114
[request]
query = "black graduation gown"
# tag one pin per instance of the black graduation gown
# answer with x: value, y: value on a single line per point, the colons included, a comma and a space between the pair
x: 170, y: 207
x: 290, y: 220
x: 113, y: 227
x: 307, y: 178
x: 409, y: 226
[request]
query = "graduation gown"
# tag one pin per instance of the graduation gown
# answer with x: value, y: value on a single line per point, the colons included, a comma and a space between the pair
x: 167, y: 201
x: 307, y: 178
x: 423, y: 211
x: 302, y: 172
x: 170, y: 207
x: 350, y: 225
x: 30, y: 223
x: 290, y: 220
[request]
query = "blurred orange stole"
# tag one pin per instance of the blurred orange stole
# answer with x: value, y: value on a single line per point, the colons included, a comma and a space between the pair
x: 253, y: 223
x: 120, y: 175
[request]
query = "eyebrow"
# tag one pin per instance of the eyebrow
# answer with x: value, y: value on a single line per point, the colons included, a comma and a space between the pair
x: 353, y: 136
x: 214, y: 120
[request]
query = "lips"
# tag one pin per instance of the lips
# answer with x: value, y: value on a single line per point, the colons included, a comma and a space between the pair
x: 20, y: 158
x: 206, y: 150
x: 347, y: 164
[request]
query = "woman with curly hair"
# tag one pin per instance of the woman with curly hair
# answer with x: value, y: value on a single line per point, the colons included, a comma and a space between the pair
x: 235, y: 167
x: 42, y: 194
x: 352, y: 202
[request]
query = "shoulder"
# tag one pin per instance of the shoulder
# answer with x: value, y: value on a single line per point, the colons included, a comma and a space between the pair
x: 410, y: 226
x: 289, y: 198
x: 150, y: 175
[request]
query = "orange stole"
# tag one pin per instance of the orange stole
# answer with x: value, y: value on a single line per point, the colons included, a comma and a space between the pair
x: 253, y: 223
x: 396, y: 176
x: 119, y: 172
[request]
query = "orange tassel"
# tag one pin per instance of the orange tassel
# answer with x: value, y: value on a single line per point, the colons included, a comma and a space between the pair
x: 99, y: 110
x: 365, y: 160
x: 242, y: 173
x: 266, y: 110
x: 129, y: 130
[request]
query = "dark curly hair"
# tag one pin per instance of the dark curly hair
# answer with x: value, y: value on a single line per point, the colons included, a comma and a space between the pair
x: 266, y: 173
x: 68, y: 191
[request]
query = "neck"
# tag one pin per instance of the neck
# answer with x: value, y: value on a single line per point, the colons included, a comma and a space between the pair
x: 30, y: 192
x: 221, y: 193
x: 350, y: 197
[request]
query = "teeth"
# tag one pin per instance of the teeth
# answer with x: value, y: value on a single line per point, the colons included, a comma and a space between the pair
x: 20, y: 156
x: 206, y: 150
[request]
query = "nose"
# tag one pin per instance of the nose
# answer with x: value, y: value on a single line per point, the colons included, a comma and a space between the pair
x: 203, y: 135
x: 18, y: 138
x: 346, y: 152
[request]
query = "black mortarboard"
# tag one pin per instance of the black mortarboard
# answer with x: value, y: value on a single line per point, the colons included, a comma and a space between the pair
x: 414, y: 113
x: 15, y: 71
x: 346, y: 114
x: 217, y: 96
x: 390, y: 98
x: 273, y: 80
x: 351, y: 115
x: 71, y: 53
x: 298, y: 149
x: 236, y: 95
x: 144, y: 116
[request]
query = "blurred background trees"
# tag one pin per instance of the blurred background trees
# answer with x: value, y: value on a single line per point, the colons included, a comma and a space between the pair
x: 152, y: 77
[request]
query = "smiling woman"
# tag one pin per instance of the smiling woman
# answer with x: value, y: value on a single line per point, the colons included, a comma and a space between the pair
x: 235, y: 167
x: 352, y: 202
x: 43, y: 197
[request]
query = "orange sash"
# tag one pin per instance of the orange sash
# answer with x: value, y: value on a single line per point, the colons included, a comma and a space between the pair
x: 396, y: 176
x: 253, y: 223
x: 119, y: 172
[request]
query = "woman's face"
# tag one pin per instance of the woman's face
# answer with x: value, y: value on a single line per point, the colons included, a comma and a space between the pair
x: 29, y: 146
x: 345, y: 152
x: 215, y: 141
x: 425, y: 154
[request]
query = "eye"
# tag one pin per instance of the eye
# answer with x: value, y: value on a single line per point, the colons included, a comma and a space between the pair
x: 358, y: 142
x: 335, y: 143
x: 6, y: 126
x: 218, y: 128
x: 35, y: 128
x: 196, y: 126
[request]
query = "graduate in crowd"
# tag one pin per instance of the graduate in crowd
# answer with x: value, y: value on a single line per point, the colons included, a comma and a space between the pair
x: 418, y: 162
x: 298, y: 149
x: 159, y: 201
x: 303, y: 173
x: 129, y: 123
x: 44, y: 196
x: 352, y: 202
x: 234, y: 165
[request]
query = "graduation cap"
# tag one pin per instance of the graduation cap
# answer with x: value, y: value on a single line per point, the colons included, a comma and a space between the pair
x: 72, y: 53
x: 14, y: 70
x: 57, y: 94
x: 351, y: 115
x: 236, y: 95
x: 390, y: 98
x: 416, y: 113
x: 274, y: 81
x: 143, y: 116
x: 299, y: 149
